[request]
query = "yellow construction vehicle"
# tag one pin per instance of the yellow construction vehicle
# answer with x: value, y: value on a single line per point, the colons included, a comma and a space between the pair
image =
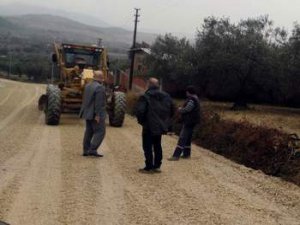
x: 72, y: 69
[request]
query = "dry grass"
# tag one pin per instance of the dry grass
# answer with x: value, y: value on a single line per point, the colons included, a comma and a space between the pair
x: 286, y: 119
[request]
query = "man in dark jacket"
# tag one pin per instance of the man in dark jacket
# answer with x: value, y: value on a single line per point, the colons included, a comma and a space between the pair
x: 94, y: 112
x: 154, y: 112
x: 190, y: 114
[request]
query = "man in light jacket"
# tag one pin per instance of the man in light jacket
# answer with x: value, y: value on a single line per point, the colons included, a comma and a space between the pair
x: 94, y: 112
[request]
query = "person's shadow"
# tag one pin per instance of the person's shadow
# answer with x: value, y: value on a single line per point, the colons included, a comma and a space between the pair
x: 3, y: 223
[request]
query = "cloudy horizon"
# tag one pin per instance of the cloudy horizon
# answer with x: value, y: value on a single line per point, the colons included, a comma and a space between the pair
x: 174, y: 16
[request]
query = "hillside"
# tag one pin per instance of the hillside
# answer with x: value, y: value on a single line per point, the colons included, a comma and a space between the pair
x: 26, y: 41
x: 19, y: 9
x: 5, y: 24
x: 49, y: 28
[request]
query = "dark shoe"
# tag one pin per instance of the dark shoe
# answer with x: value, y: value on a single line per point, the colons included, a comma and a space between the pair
x: 186, y: 157
x: 156, y: 170
x: 85, y: 154
x: 186, y: 153
x: 173, y: 158
x: 95, y: 154
x: 177, y: 153
x: 145, y: 170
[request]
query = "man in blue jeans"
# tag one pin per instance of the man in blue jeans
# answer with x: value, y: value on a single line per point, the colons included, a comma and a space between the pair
x: 154, y: 112
x: 190, y: 114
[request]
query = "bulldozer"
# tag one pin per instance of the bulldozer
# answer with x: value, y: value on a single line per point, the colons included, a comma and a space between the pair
x: 72, y: 70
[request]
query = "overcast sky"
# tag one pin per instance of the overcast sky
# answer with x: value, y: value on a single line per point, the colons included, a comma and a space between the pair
x: 177, y: 15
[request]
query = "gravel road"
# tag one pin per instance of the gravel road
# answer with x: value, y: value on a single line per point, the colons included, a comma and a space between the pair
x: 44, y: 180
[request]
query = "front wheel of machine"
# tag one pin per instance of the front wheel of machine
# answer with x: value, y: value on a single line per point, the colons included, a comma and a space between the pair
x: 53, y: 109
x: 118, y: 109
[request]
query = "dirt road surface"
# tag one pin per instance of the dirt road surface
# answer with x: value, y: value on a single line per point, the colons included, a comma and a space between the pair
x: 44, y: 180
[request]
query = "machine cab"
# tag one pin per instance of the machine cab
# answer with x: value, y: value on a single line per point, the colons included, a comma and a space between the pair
x: 88, y: 55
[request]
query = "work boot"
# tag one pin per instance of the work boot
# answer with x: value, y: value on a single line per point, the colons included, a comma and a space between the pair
x: 177, y: 152
x: 146, y: 170
x: 156, y: 170
x: 85, y: 153
x: 96, y: 154
x: 173, y: 158
x: 186, y: 153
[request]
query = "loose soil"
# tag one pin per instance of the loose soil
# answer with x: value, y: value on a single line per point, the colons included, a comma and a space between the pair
x: 44, y: 180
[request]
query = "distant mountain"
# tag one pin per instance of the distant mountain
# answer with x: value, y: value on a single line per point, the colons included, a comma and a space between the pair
x: 49, y: 28
x: 20, y: 9
x: 5, y: 24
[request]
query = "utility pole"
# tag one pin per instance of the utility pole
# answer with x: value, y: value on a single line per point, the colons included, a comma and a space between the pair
x: 133, y: 47
x: 10, y: 63
x: 99, y: 44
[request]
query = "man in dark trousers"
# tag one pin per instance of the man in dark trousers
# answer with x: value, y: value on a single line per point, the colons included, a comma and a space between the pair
x: 154, y: 112
x: 190, y: 114
x: 94, y: 112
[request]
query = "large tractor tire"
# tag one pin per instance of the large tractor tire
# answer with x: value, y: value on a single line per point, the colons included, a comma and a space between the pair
x: 53, y: 106
x: 118, y: 109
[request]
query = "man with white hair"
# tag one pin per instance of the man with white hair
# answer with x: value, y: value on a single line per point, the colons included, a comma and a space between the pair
x: 94, y: 112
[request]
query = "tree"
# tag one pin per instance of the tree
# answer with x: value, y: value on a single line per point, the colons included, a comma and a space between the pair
x: 234, y: 55
x: 293, y: 69
x: 171, y: 59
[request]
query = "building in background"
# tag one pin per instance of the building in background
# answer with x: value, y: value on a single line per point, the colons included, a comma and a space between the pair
x: 141, y: 51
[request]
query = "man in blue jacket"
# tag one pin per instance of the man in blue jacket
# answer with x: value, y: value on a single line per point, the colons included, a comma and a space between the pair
x: 154, y: 112
x: 190, y: 114
x: 94, y: 112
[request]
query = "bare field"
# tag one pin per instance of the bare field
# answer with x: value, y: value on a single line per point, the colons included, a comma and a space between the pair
x: 44, y: 180
x: 287, y: 119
